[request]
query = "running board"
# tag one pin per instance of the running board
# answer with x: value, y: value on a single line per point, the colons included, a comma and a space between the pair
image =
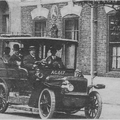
x: 25, y: 108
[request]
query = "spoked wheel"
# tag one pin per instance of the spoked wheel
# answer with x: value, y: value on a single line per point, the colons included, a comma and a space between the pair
x: 3, y: 98
x: 94, y: 107
x: 46, y: 104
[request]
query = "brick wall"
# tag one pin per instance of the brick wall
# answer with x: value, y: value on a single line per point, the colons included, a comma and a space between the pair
x: 26, y: 20
x: 83, y: 57
x: 101, y: 41
x: 58, y: 21
x: 84, y: 47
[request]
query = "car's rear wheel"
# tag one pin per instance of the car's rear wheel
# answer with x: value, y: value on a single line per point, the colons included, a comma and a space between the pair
x: 3, y: 98
x: 46, y: 104
x: 94, y: 106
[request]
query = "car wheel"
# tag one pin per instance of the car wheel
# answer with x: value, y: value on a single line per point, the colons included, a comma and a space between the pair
x: 46, y: 104
x: 3, y: 98
x: 94, y: 106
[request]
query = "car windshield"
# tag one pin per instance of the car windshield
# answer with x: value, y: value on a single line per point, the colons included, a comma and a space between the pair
x: 65, y: 51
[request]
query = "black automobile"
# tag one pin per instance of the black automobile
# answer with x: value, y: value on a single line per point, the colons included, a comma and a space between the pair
x: 55, y: 88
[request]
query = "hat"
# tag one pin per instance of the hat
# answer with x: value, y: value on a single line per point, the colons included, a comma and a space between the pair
x: 16, y: 47
x: 32, y: 48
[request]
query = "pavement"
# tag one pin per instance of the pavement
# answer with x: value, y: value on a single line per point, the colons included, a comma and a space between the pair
x: 111, y: 93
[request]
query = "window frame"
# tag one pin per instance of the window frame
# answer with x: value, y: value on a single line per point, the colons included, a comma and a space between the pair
x: 39, y: 21
x: 73, y: 18
x: 111, y: 44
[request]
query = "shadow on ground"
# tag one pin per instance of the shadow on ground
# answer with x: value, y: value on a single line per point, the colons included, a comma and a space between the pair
x: 55, y: 116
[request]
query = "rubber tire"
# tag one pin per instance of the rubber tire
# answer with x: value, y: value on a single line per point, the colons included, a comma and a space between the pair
x: 52, y: 104
x: 90, y: 105
x: 2, y: 86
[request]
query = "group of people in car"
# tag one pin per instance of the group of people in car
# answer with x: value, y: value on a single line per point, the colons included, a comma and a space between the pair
x: 29, y: 60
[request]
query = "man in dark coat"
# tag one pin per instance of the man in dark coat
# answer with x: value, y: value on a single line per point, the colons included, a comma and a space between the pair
x: 30, y: 59
x: 15, y: 59
x: 29, y: 64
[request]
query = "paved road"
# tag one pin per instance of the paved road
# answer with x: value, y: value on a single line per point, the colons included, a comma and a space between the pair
x: 108, y: 112
x: 110, y: 96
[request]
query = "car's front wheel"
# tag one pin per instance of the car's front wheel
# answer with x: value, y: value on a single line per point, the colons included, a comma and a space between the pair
x: 46, y: 103
x: 94, y: 106
x: 3, y: 98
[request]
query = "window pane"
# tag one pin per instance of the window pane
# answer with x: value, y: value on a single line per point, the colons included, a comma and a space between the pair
x: 5, y: 23
x: 76, y: 24
x: 71, y: 29
x: 118, y: 51
x: 114, y: 51
x: 114, y: 29
x: 69, y: 25
x: 114, y: 62
x: 76, y: 35
x: 70, y: 56
x: 40, y: 28
x: 118, y: 64
x: 68, y: 35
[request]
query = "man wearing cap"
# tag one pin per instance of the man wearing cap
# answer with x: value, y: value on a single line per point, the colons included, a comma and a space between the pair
x: 15, y: 59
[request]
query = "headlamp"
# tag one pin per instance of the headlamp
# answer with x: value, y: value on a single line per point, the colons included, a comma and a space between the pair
x: 67, y: 85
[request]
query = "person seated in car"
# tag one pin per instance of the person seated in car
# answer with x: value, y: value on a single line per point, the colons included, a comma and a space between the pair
x: 29, y: 60
x: 53, y: 60
x: 6, y: 54
x: 29, y: 63
x: 15, y: 59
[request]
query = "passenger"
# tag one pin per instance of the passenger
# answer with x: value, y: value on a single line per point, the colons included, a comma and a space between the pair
x: 15, y: 59
x: 29, y: 60
x: 6, y: 54
x: 53, y: 60
x: 29, y: 63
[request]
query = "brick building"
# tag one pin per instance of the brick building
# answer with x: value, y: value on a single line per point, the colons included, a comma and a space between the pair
x: 73, y: 21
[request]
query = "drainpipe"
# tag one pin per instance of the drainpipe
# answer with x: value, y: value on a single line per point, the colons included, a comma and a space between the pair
x: 92, y: 44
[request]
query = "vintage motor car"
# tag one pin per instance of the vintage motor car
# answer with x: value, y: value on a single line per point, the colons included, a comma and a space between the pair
x: 55, y: 87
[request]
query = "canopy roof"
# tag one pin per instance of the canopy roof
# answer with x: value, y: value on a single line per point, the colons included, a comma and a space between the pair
x: 42, y: 39
x: 100, y: 1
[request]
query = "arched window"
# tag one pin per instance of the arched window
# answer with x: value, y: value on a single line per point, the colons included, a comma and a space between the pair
x: 40, y: 27
x: 71, y: 24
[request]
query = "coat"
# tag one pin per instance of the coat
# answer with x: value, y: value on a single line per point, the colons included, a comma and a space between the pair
x: 13, y: 60
x: 28, y: 62
x: 52, y: 62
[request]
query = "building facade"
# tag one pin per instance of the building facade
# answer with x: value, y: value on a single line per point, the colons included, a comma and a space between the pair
x: 73, y: 21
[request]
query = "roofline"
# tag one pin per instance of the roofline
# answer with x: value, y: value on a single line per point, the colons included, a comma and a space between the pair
x: 39, y: 38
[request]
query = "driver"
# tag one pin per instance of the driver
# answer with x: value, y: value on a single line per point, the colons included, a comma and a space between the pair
x: 53, y: 60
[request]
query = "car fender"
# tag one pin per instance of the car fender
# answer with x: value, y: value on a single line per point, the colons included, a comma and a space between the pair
x: 6, y: 89
x: 97, y: 86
